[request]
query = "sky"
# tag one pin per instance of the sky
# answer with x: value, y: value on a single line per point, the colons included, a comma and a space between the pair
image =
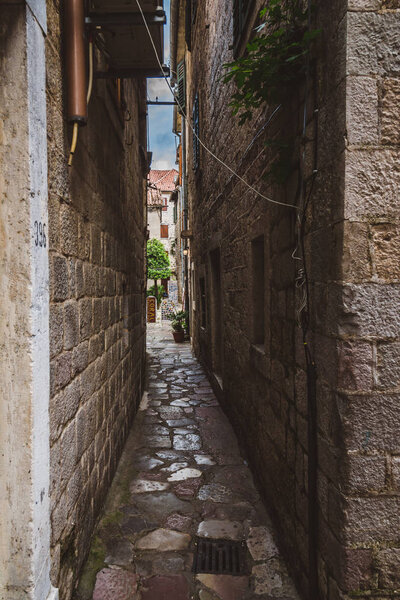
x: 162, y: 140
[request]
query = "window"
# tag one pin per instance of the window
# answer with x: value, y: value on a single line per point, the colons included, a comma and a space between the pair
x: 164, y: 231
x: 175, y: 211
x: 216, y: 311
x: 165, y: 205
x: 203, y: 315
x: 258, y: 289
x: 181, y: 86
x: 241, y: 10
x: 196, y: 133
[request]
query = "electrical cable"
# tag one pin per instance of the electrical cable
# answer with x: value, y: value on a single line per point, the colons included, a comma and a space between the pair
x: 73, y: 143
x: 90, y: 83
x: 210, y: 152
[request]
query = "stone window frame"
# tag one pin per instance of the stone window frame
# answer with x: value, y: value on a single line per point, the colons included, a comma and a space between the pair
x: 241, y: 17
x: 259, y: 354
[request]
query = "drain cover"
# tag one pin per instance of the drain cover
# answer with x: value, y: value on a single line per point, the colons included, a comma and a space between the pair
x: 219, y: 556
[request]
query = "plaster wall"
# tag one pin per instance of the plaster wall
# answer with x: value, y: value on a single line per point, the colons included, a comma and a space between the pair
x: 24, y: 304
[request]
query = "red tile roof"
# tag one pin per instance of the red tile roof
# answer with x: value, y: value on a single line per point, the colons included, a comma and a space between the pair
x: 163, y: 180
x: 154, y: 197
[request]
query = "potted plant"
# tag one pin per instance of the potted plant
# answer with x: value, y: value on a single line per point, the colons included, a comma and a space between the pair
x: 178, y: 326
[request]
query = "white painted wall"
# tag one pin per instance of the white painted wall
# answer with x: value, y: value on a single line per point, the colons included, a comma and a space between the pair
x: 24, y: 309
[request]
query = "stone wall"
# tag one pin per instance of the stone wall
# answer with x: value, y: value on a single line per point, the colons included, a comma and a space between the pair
x: 97, y: 336
x: 351, y: 245
x: 368, y: 373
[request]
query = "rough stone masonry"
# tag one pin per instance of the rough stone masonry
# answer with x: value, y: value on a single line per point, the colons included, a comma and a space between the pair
x: 97, y: 330
x: 352, y: 250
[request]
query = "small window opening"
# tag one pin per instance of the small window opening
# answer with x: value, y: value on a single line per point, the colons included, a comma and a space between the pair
x: 258, y: 290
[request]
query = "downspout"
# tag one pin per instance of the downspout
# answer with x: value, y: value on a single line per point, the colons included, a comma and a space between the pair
x: 185, y: 224
x: 76, y: 68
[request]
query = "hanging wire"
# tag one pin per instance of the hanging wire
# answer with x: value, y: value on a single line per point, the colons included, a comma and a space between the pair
x: 210, y: 152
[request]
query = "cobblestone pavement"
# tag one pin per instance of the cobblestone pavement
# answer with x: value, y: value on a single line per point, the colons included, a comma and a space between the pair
x: 181, y: 476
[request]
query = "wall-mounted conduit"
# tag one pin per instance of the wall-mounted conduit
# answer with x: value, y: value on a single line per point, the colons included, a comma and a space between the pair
x: 75, y: 59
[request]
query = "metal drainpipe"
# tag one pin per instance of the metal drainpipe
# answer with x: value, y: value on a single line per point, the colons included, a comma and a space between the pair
x: 75, y: 60
x: 185, y: 222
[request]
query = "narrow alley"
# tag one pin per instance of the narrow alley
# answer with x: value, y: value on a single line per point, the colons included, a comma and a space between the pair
x: 199, y: 299
x: 182, y: 479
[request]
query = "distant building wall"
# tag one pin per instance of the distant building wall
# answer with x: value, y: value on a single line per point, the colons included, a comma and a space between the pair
x: 97, y: 335
x: 242, y: 251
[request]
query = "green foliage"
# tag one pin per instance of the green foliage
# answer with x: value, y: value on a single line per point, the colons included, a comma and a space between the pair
x: 275, y: 60
x: 157, y: 292
x: 179, y: 321
x: 158, y: 264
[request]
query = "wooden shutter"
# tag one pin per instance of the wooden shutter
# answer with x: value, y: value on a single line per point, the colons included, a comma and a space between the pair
x: 181, y: 86
x: 196, y: 127
x: 164, y: 231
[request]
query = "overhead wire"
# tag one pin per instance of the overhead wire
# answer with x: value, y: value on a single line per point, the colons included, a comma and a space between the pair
x: 210, y: 152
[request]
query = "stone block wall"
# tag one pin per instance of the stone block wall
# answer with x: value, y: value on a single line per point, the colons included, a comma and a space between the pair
x: 369, y: 328
x: 97, y: 329
x: 351, y: 246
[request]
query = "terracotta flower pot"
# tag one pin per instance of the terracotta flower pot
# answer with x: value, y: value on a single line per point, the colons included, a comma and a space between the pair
x: 179, y: 336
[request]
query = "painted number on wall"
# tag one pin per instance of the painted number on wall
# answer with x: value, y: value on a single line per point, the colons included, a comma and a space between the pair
x: 40, y: 234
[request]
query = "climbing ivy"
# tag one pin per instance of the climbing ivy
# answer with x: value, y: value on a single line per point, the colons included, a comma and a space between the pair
x: 274, y: 64
x: 275, y: 60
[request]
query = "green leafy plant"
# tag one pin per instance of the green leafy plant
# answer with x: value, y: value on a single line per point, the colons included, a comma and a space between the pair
x: 158, y: 264
x: 274, y: 65
x: 275, y: 59
x: 158, y: 292
x: 179, y: 321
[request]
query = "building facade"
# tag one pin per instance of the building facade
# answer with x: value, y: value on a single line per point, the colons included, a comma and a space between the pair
x: 72, y: 307
x: 163, y: 213
x: 297, y: 324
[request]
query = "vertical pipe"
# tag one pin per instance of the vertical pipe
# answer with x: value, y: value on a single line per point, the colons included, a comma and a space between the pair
x: 75, y: 61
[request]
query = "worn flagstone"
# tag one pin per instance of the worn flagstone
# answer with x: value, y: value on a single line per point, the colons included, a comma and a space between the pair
x: 181, y: 475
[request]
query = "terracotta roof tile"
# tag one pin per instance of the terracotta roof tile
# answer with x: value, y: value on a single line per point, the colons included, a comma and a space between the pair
x: 154, y: 197
x: 164, y: 180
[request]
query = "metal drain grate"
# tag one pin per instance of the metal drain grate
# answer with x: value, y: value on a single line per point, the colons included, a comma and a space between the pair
x: 219, y: 556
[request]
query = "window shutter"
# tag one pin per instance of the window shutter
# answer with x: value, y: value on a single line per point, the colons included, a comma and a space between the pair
x: 196, y: 127
x: 181, y: 86
x: 164, y: 231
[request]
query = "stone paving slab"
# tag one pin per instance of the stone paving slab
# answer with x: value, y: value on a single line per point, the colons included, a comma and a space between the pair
x: 181, y: 475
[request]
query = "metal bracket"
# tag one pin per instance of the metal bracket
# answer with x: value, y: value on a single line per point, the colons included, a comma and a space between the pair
x: 131, y: 73
x: 99, y: 20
